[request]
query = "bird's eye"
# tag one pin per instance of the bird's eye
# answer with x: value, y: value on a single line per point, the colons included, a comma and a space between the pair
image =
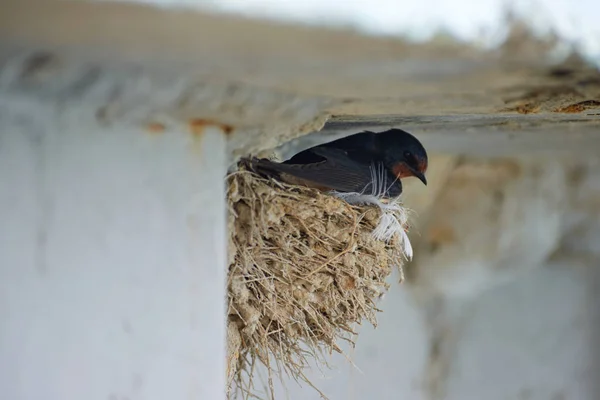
x: 407, y: 154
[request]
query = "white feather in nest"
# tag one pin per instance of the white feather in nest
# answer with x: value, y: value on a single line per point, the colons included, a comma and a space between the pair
x: 393, y: 218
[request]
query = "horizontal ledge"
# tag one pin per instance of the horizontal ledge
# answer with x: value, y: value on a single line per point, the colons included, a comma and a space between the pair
x: 383, y: 121
x: 472, y: 134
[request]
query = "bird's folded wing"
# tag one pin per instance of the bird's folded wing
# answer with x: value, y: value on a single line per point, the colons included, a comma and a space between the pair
x: 336, y: 172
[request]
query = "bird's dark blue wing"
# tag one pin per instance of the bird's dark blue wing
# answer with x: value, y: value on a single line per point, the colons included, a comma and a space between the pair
x: 336, y: 172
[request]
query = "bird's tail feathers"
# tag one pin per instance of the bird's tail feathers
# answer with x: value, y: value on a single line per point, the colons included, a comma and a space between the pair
x: 262, y: 166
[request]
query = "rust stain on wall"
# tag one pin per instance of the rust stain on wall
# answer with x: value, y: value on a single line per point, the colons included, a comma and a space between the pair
x: 156, y: 128
x: 579, y: 107
x: 528, y: 108
x: 198, y: 125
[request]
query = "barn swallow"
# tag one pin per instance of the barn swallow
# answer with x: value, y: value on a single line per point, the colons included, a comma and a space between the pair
x: 366, y: 162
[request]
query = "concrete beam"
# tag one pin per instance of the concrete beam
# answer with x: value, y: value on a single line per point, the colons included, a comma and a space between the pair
x: 273, y: 83
x: 486, y: 135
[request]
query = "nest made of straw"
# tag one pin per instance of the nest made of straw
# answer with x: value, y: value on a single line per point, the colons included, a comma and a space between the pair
x: 304, y: 267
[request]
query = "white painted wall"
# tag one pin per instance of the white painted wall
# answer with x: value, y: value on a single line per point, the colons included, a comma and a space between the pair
x: 112, y: 258
x: 532, y: 339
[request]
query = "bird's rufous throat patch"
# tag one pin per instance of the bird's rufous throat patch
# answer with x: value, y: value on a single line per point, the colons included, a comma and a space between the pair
x: 401, y: 170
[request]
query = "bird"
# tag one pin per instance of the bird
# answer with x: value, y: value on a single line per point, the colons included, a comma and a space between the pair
x: 366, y: 163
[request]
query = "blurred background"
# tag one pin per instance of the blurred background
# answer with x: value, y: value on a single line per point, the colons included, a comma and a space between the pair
x: 501, y: 301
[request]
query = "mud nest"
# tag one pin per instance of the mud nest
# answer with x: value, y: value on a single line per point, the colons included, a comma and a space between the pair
x: 304, y: 269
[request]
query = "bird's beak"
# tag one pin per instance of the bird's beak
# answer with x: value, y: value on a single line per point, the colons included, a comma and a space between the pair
x: 420, y: 176
x: 403, y: 170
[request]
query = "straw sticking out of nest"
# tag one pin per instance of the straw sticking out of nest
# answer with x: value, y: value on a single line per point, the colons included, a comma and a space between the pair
x: 304, y: 268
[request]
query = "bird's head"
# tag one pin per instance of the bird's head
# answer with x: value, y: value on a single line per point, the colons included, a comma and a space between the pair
x: 404, y: 154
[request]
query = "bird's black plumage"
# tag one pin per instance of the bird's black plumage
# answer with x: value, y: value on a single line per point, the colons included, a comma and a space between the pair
x: 366, y: 162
